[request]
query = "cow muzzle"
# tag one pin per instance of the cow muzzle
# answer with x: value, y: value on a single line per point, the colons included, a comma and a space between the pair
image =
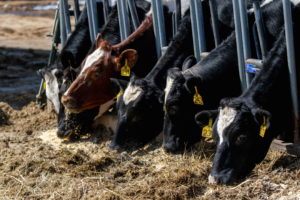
x: 70, y: 104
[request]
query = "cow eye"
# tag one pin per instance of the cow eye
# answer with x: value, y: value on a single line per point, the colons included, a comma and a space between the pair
x: 97, y: 74
x: 241, y: 139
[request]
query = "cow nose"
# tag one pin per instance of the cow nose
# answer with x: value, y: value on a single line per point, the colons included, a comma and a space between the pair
x: 69, y: 102
x: 212, y: 180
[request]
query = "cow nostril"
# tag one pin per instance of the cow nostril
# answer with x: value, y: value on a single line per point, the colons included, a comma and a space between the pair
x: 69, y: 102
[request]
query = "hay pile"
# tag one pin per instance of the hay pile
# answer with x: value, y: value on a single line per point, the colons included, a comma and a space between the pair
x: 40, y: 166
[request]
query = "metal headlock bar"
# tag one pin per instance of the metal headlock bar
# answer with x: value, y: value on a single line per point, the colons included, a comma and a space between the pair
x: 176, y: 17
x: 214, y: 22
x: 92, y: 18
x: 289, y: 33
x: 239, y: 44
x: 76, y: 10
x: 198, y: 33
x: 159, y: 26
x: 123, y: 19
x: 133, y: 13
x: 106, y: 10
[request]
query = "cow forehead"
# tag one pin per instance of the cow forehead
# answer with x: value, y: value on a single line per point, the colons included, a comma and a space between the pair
x: 226, y: 117
x: 169, y: 85
x: 92, y: 58
x: 131, y: 93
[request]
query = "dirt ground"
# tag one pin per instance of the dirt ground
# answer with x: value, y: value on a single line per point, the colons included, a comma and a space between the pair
x: 35, y: 164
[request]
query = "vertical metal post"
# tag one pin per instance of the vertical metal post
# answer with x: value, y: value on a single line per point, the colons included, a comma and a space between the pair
x: 260, y: 28
x: 239, y: 44
x: 289, y: 33
x: 214, y: 22
x: 63, y: 34
x: 159, y: 26
x: 245, y: 36
x: 92, y: 18
x: 194, y: 31
x: 105, y: 10
x: 200, y: 25
x: 76, y: 10
x: 66, y: 16
x: 123, y: 19
x: 177, y: 15
x: 133, y: 13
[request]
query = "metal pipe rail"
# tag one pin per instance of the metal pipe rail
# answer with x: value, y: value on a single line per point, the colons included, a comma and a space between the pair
x: 76, y: 10
x: 159, y: 26
x: 197, y: 28
x: 239, y: 44
x: 92, y: 18
x: 214, y: 22
x: 106, y: 10
x: 289, y: 33
x: 133, y: 13
x: 123, y: 19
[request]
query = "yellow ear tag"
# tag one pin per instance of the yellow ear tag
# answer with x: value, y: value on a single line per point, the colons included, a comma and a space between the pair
x: 263, y: 128
x: 125, y: 70
x: 119, y: 94
x: 44, y: 85
x: 207, y: 130
x: 198, y: 100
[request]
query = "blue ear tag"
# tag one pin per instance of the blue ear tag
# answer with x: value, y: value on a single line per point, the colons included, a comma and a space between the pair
x: 207, y: 130
x: 125, y: 70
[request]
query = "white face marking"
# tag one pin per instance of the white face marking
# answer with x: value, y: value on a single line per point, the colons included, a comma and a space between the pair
x: 96, y: 55
x: 131, y: 93
x: 52, y: 90
x: 295, y: 2
x: 170, y: 82
x: 226, y: 117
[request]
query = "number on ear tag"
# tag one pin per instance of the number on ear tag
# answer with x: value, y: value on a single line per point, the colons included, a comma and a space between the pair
x: 263, y: 128
x: 125, y: 70
x: 198, y: 100
x: 207, y: 130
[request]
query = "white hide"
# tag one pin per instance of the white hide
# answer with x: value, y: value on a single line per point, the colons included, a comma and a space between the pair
x: 226, y: 117
x: 185, y: 4
x: 131, y: 93
x: 52, y: 89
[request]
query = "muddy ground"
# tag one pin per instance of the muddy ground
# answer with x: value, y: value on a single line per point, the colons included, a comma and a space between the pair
x: 35, y: 164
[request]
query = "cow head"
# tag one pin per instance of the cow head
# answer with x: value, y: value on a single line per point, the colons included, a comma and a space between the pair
x: 140, y: 114
x: 53, y: 78
x: 180, y: 130
x: 241, y: 140
x: 92, y: 87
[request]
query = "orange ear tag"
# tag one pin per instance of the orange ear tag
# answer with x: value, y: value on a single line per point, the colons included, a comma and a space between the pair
x: 263, y: 128
x: 207, y: 130
x: 125, y: 70
x: 198, y: 100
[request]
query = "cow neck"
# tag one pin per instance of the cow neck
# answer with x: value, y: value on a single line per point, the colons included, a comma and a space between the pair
x: 179, y: 48
x: 270, y: 86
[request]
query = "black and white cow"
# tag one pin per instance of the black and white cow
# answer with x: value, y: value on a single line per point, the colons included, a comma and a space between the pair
x: 140, y: 109
x: 246, y: 125
x: 215, y: 77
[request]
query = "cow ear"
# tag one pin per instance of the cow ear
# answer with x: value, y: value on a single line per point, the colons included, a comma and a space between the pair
x: 99, y: 40
x: 191, y: 82
x: 261, y: 116
x: 202, y: 118
x: 130, y: 56
x: 41, y: 72
x: 188, y: 62
x: 118, y: 84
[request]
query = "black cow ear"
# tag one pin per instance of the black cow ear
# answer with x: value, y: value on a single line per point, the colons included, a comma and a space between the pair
x: 118, y: 84
x: 161, y: 98
x: 261, y: 116
x: 202, y: 118
x: 191, y: 82
x: 188, y: 62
